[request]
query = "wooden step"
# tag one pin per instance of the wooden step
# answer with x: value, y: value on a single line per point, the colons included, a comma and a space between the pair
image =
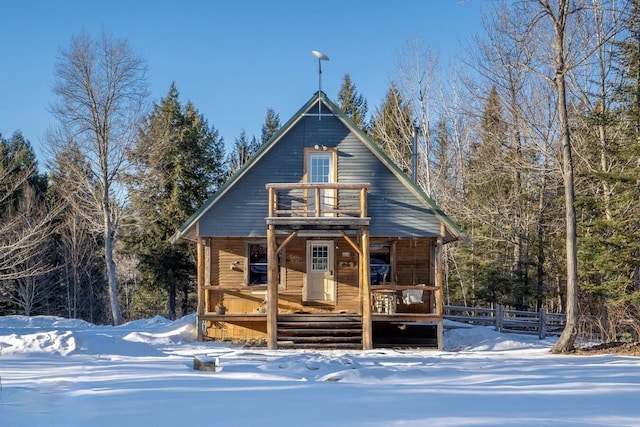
x: 308, y: 331
x: 318, y: 339
x: 328, y: 346
x: 318, y: 318
x: 319, y: 325
x: 320, y: 331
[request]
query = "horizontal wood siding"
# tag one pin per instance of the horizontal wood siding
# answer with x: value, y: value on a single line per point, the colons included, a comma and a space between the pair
x: 242, y: 210
x: 347, y: 268
x: 413, y: 261
x: 393, y: 208
x: 228, y: 262
x: 241, y: 331
x: 228, y: 278
x: 413, y: 267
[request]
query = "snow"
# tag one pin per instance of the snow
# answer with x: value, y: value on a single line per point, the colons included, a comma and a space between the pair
x: 60, y: 372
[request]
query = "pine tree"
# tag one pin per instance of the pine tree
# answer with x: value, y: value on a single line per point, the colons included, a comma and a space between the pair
x: 392, y: 128
x: 271, y: 125
x: 25, y: 227
x: 351, y: 103
x: 242, y: 150
x: 178, y: 164
x: 487, y: 196
x: 608, y: 202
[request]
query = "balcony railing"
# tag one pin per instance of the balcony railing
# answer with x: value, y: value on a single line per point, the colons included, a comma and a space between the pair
x: 317, y: 200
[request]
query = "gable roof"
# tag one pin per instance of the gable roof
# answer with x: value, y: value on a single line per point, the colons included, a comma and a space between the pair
x: 188, y: 229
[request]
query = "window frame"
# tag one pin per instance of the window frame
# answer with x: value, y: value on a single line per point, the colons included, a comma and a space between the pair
x: 332, y: 154
x: 248, y: 264
x: 391, y: 245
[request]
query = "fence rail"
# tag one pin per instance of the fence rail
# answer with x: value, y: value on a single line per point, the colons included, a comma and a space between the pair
x: 540, y: 323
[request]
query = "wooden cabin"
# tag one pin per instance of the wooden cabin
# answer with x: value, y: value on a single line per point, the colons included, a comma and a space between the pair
x: 320, y: 240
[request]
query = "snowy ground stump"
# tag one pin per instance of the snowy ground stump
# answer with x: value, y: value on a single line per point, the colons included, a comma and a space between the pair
x: 206, y: 363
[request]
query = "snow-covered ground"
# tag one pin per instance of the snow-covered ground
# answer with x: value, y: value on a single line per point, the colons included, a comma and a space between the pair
x: 58, y: 372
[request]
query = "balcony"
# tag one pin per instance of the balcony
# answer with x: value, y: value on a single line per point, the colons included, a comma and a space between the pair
x: 319, y: 206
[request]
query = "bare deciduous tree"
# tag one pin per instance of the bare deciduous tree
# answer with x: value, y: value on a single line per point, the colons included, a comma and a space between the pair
x: 24, y: 226
x: 101, y: 90
x: 24, y: 236
x: 417, y: 69
x: 548, y: 21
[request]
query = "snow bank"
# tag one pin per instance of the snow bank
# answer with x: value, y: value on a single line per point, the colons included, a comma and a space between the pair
x: 57, y: 372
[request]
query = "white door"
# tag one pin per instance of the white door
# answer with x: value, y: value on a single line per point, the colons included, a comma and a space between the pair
x: 320, y: 283
x: 320, y: 169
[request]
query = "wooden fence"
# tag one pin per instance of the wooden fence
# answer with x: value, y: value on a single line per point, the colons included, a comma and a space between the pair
x: 540, y: 323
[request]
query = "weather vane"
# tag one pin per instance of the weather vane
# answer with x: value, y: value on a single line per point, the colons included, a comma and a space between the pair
x: 321, y: 57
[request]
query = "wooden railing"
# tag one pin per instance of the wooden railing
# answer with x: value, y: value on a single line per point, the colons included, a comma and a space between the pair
x: 318, y: 200
x: 540, y: 322
x: 403, y: 299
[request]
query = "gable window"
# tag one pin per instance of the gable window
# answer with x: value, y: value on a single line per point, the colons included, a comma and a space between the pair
x: 257, y: 264
x: 381, y: 263
x: 320, y: 167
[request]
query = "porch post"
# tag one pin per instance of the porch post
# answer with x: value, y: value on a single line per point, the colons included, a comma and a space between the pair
x: 439, y: 285
x: 199, y: 284
x: 272, y: 289
x: 206, y: 280
x: 365, y: 286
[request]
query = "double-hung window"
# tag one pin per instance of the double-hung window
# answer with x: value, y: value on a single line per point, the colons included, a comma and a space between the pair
x: 381, y: 263
x: 257, y: 264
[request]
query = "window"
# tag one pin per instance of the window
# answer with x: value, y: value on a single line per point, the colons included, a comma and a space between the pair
x: 380, y: 264
x: 257, y: 268
x: 320, y: 168
x: 319, y: 258
x: 257, y: 264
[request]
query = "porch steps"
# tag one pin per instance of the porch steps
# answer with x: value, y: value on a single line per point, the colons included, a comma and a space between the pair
x: 319, y: 331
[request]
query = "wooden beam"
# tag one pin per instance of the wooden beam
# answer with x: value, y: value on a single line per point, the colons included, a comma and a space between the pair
x: 286, y: 242
x: 439, y: 294
x: 272, y: 289
x: 206, y: 280
x: 318, y: 201
x: 273, y: 200
x: 353, y: 244
x: 207, y: 262
x: 322, y: 185
x: 365, y: 285
x: 200, y: 286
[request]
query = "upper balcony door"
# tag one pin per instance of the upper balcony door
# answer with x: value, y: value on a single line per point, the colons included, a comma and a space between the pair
x: 320, y: 167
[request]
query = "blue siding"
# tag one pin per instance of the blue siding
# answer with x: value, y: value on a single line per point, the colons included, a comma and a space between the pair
x: 394, y: 210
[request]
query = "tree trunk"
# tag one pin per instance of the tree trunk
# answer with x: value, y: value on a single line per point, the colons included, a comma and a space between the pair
x: 111, y: 267
x: 172, y: 296
x: 541, y: 235
x: 566, y: 341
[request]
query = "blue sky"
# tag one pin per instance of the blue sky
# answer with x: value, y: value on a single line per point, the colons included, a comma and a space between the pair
x: 232, y: 59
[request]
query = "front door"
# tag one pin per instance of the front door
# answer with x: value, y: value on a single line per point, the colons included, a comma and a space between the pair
x: 320, y: 283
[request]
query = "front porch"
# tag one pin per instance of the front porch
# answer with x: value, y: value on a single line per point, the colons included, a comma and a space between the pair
x: 317, y: 218
x: 319, y: 326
